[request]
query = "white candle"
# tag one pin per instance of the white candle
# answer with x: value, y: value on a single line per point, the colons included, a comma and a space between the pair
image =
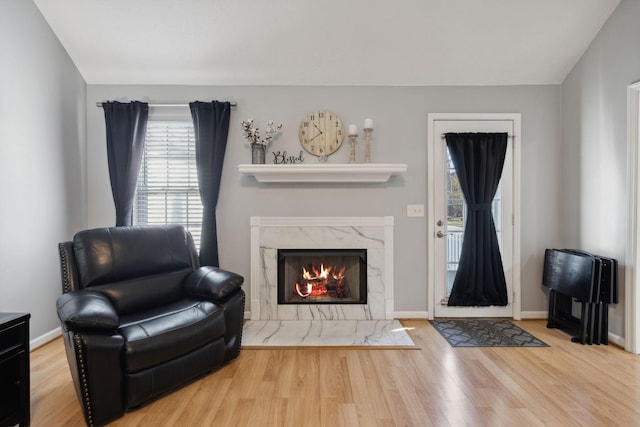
x: 353, y: 130
x: 368, y: 123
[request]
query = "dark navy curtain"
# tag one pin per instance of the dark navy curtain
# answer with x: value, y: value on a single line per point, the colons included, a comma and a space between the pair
x: 211, y: 127
x: 126, y: 125
x: 478, y: 159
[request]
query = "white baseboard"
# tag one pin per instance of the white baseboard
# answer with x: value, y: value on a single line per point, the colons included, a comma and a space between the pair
x: 616, y: 339
x: 534, y: 314
x: 411, y: 315
x: 45, y: 338
x: 425, y: 314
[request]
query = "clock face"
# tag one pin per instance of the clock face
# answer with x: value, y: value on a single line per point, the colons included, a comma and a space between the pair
x: 321, y: 133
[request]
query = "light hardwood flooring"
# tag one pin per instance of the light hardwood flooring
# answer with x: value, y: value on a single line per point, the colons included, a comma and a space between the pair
x: 566, y: 384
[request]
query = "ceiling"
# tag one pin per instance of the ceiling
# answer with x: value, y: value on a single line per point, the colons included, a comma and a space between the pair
x: 326, y: 42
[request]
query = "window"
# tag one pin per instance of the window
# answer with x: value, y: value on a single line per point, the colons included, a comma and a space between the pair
x: 167, y: 191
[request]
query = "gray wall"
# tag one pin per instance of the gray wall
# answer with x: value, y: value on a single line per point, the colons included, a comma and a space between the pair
x: 594, y: 124
x: 400, y: 136
x: 42, y: 146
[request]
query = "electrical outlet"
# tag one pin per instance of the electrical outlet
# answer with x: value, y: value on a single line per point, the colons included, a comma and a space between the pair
x: 415, y: 210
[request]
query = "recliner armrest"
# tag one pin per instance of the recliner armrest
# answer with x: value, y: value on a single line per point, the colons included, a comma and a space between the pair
x: 212, y: 283
x: 87, y: 310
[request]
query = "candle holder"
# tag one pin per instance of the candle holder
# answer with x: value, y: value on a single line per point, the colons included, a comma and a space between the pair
x: 367, y: 144
x: 353, y: 137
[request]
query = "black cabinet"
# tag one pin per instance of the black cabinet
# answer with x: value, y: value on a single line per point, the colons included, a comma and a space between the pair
x: 14, y: 369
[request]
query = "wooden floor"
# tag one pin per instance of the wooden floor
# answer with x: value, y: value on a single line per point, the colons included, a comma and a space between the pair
x: 565, y: 384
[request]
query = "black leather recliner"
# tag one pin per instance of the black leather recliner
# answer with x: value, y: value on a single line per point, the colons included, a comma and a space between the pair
x: 140, y: 317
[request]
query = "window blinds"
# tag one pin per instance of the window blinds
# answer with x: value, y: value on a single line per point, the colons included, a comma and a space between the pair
x: 167, y: 190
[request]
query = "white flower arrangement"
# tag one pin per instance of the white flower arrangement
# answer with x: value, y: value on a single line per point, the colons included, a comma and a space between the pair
x: 252, y: 134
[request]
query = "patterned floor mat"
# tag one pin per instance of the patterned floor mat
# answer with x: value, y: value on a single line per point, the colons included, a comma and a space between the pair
x: 484, y: 333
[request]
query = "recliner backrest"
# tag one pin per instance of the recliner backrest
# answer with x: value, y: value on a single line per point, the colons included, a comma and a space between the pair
x: 136, y: 267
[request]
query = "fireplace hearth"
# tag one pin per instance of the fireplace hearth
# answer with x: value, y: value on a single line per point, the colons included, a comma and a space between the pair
x: 322, y: 276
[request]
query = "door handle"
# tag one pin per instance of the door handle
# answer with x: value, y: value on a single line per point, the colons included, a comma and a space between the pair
x: 440, y: 234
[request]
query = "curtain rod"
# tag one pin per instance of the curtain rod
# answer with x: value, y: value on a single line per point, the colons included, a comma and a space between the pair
x: 444, y: 135
x: 233, y: 104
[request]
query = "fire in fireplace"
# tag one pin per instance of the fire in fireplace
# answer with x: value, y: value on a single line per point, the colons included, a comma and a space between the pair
x: 322, y: 276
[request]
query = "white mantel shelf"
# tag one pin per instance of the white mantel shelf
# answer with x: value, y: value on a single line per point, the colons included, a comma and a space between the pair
x: 324, y: 172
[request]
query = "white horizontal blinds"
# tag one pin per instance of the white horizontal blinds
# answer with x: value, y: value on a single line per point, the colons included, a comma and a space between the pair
x: 167, y: 191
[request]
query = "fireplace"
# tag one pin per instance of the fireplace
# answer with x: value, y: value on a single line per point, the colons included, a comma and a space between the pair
x: 322, y: 276
x: 371, y: 234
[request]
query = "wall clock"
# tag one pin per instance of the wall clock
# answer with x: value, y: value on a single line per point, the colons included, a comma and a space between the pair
x: 321, y: 133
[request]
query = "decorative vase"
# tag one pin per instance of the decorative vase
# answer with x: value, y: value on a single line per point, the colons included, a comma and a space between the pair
x: 258, y: 154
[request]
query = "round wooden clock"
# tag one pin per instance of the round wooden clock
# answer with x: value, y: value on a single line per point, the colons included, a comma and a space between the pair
x: 321, y: 133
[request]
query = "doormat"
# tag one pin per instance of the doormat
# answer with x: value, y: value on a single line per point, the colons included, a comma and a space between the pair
x: 485, y: 333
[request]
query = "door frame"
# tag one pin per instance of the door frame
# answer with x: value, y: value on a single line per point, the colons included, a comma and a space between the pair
x: 430, y: 218
x: 632, y: 255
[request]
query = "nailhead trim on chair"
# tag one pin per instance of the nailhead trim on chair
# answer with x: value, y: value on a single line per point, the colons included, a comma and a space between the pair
x: 65, y: 269
x: 83, y: 378
x: 244, y: 299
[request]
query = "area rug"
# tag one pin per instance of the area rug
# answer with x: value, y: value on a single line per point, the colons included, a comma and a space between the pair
x: 366, y: 334
x: 484, y: 333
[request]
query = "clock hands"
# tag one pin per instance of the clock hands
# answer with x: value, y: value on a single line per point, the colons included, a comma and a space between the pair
x: 315, y: 137
x: 316, y: 126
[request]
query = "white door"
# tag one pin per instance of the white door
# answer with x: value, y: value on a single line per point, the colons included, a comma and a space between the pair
x: 447, y: 215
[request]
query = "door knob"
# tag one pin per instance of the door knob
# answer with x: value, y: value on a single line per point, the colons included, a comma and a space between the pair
x: 440, y: 234
x: 439, y: 223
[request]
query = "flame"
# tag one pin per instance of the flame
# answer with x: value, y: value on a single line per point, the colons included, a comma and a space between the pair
x: 304, y: 293
x: 324, y: 272
x: 314, y: 274
x: 339, y: 275
x: 315, y: 281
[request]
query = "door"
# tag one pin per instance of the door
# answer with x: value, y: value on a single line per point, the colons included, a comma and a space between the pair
x: 447, y: 215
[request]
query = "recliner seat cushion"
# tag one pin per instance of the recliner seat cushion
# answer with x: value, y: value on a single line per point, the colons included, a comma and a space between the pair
x: 144, y: 293
x: 167, y: 332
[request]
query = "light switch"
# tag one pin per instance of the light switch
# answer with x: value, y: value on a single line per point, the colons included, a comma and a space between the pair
x: 415, y: 210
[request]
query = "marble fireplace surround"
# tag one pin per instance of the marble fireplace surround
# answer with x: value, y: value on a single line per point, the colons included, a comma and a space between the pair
x: 268, y: 234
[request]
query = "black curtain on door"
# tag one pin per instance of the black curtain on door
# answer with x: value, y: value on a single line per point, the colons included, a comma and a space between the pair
x: 478, y: 159
x: 126, y: 125
x: 211, y: 128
